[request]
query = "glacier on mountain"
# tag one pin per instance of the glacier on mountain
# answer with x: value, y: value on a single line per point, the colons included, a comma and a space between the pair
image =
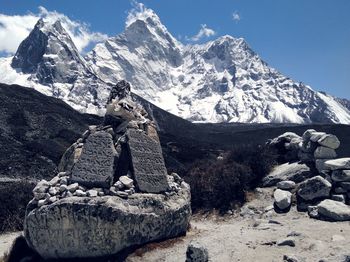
x: 220, y: 81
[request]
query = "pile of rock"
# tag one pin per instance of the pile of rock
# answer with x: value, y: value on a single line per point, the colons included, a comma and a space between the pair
x: 112, y: 190
x: 325, y: 191
x: 311, y: 147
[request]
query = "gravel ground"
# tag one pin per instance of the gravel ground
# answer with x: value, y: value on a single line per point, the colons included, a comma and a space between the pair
x: 253, y: 234
x: 6, y: 241
x: 250, y: 235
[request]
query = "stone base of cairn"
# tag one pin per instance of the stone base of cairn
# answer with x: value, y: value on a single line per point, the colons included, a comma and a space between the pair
x: 112, y: 192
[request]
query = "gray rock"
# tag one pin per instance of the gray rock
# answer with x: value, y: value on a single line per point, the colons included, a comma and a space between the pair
x: 62, y: 174
x: 54, y: 181
x: 76, y: 228
x: 147, y: 162
x: 126, y: 181
x: 64, y: 180
x: 313, y: 211
x: 339, y: 190
x: 39, y: 196
x: 80, y: 193
x: 285, y: 137
x: 283, y: 199
x: 119, y: 185
x: 341, y: 175
x: 315, y: 136
x: 307, y: 134
x: 73, y: 187
x: 305, y: 157
x: 322, y: 152
x: 336, y: 164
x: 63, y: 188
x: 308, y: 147
x: 320, y: 165
x: 292, y: 258
x: 334, y: 210
x: 92, y: 193
x: 313, y: 188
x: 286, y: 242
x: 122, y: 194
x: 42, y: 187
x: 53, y: 199
x: 339, y: 197
x: 294, y: 234
x: 42, y: 202
x: 294, y: 144
x: 330, y: 141
x: 196, y: 253
x: 53, y: 191
x: 345, y: 185
x: 286, y: 185
x: 95, y: 167
x: 296, y: 172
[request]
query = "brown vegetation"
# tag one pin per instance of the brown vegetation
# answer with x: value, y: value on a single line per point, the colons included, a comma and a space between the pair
x: 14, y: 197
x: 222, y: 184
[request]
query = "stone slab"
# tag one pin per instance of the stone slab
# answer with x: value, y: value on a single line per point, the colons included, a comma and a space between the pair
x: 96, y: 165
x: 76, y: 228
x: 147, y: 162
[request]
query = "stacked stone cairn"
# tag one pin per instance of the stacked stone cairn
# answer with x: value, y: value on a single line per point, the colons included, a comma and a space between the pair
x: 325, y: 192
x: 112, y: 190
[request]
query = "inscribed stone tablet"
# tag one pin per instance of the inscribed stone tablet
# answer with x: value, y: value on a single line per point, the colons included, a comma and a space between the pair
x: 95, y: 167
x: 147, y: 162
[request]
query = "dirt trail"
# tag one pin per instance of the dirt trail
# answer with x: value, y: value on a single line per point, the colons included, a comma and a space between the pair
x: 254, y: 237
x: 6, y: 241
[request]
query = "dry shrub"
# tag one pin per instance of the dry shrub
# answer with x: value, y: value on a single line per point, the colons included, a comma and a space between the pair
x: 221, y: 184
x: 14, y: 197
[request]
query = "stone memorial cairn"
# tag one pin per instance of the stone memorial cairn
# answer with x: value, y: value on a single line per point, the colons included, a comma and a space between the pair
x: 325, y: 194
x: 112, y: 190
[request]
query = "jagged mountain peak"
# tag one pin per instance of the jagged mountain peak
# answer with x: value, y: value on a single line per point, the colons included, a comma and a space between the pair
x: 222, y: 80
x: 147, y: 24
x: 47, y: 43
x: 50, y: 27
x: 49, y: 61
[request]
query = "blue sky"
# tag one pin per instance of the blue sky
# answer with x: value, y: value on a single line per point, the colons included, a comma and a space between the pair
x: 307, y: 40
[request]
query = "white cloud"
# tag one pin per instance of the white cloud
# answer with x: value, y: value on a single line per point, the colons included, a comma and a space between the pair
x: 235, y: 16
x: 14, y: 29
x: 203, y: 32
x: 138, y: 12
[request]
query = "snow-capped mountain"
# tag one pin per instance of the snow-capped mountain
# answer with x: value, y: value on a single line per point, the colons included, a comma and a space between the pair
x: 49, y: 61
x: 220, y: 81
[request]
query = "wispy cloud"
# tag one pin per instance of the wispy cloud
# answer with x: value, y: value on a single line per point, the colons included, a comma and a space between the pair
x: 13, y: 29
x: 203, y: 33
x: 235, y: 16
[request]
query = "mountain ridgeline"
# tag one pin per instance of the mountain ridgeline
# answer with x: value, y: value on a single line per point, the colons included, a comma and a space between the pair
x: 221, y: 81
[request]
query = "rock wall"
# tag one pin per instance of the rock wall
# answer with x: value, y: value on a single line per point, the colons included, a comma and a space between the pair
x: 325, y: 193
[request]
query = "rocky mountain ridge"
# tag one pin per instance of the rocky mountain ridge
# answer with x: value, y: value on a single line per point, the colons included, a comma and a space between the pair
x: 220, y: 81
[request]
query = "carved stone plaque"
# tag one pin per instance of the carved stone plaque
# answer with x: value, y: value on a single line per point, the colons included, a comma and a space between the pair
x: 147, y: 162
x: 95, y: 167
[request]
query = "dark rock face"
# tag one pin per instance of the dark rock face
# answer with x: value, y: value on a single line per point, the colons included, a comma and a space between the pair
x: 50, y: 54
x: 147, y: 162
x: 35, y: 130
x: 31, y: 50
x: 96, y: 165
x: 120, y: 90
